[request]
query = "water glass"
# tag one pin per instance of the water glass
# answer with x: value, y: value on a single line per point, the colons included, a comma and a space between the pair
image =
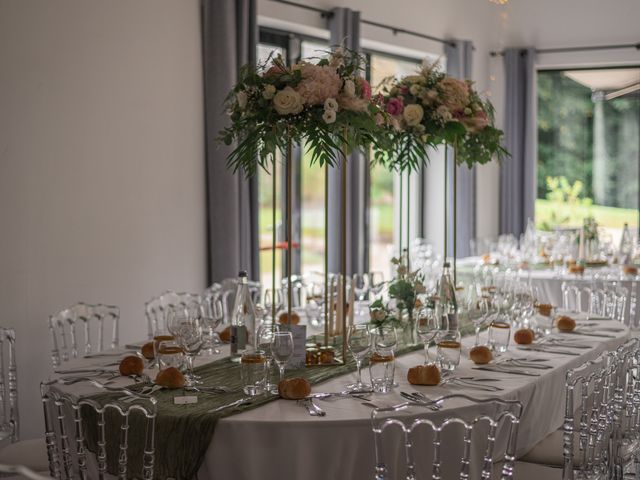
x: 168, y: 353
x: 499, y: 334
x: 264, y: 338
x: 253, y: 371
x: 382, y: 367
x: 385, y: 338
x: 448, y: 349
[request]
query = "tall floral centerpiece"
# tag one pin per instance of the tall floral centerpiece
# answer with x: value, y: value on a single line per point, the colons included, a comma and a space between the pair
x: 323, y: 102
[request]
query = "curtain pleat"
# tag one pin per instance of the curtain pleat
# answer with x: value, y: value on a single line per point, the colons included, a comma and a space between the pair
x: 459, y: 55
x: 229, y: 36
x: 344, y: 27
x: 518, y: 173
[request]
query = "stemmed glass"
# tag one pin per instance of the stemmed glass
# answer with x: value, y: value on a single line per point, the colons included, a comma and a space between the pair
x: 282, y: 349
x: 361, y: 285
x: 273, y: 298
x: 359, y: 343
x: 427, y: 329
x: 187, y: 326
x: 264, y: 339
x: 478, y: 322
x: 212, y: 316
x: 376, y: 282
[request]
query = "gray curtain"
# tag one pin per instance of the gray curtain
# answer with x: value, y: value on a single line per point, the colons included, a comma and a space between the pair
x: 344, y: 25
x: 518, y: 173
x: 459, y: 55
x: 229, y: 35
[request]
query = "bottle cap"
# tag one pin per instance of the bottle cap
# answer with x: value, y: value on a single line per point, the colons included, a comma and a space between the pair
x: 243, y: 273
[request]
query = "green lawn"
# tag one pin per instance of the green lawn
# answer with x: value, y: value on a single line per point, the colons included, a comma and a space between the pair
x: 605, y: 216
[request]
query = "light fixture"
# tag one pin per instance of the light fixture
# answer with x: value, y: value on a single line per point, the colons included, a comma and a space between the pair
x: 499, y: 2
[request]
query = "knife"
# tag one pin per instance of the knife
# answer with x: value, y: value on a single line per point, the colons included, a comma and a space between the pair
x: 515, y: 372
x: 604, y: 335
x: 548, y: 350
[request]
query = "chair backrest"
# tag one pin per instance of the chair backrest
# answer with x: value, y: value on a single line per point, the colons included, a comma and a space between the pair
x: 23, y: 471
x: 612, y: 300
x: 9, y: 428
x: 73, y: 425
x: 157, y: 308
x: 480, y: 426
x: 80, y: 330
x: 575, y: 296
x: 228, y: 291
x: 591, y: 386
x: 298, y: 294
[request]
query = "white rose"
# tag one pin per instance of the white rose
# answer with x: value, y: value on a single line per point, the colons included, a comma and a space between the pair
x: 329, y: 116
x: 268, y: 92
x: 413, y: 114
x: 287, y: 101
x: 444, y: 113
x: 379, y: 315
x: 331, y: 104
x: 415, y: 89
x: 350, y: 88
x: 242, y: 98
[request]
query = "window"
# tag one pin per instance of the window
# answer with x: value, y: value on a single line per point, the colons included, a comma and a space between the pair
x: 588, y: 142
x: 384, y: 186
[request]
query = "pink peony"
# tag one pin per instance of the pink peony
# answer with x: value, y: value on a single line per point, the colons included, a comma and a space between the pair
x: 353, y: 104
x: 454, y: 93
x: 364, y: 88
x: 475, y: 123
x: 395, y: 106
x: 318, y: 83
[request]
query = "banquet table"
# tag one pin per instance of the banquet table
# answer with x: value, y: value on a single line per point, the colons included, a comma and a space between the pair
x: 280, y: 440
x: 550, y: 282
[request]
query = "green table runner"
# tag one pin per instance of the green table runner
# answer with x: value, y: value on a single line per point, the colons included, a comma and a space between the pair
x: 184, y: 432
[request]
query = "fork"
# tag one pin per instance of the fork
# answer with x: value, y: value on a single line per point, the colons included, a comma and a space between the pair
x: 417, y: 397
x: 313, y: 409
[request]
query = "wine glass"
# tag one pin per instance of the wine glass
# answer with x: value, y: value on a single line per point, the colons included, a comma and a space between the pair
x: 359, y: 343
x: 273, y: 301
x: 282, y: 349
x: 376, y: 282
x: 264, y: 339
x: 478, y: 322
x: 360, y: 285
x: 385, y: 338
x: 188, y: 326
x: 212, y: 316
x: 427, y: 328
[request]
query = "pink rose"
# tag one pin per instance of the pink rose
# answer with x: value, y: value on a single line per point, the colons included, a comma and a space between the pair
x: 364, y: 87
x: 475, y: 123
x: 395, y: 106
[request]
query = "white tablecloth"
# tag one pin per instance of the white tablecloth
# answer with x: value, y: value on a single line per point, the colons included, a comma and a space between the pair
x: 280, y: 441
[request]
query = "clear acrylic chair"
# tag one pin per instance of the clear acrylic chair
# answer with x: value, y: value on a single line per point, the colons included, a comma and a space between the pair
x: 73, y: 425
x: 574, y: 297
x: 422, y: 438
x: 583, y: 450
x: 9, y: 426
x: 81, y: 329
x: 611, y: 300
x: 297, y: 290
x: 157, y: 308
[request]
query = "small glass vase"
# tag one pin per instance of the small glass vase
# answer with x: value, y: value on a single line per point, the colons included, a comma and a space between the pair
x: 410, y: 336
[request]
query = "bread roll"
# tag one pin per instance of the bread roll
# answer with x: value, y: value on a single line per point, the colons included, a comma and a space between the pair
x: 170, y: 378
x: 524, y: 336
x: 577, y: 269
x: 545, y: 309
x: 294, y: 388
x: 565, y: 324
x: 630, y: 270
x: 225, y: 335
x: 285, y: 320
x: 131, y: 365
x: 147, y: 351
x: 424, y: 375
x: 480, y: 354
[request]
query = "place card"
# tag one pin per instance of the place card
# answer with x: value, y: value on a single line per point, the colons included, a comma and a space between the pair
x: 185, y: 400
x: 299, y: 358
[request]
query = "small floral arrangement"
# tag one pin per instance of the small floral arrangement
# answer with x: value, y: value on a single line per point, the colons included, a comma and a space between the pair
x: 381, y: 315
x: 406, y: 286
x: 325, y: 103
x: 431, y: 108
